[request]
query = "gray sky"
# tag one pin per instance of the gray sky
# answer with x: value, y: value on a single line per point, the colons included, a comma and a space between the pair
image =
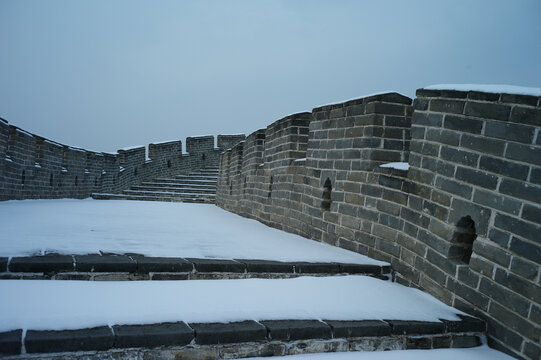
x: 106, y: 74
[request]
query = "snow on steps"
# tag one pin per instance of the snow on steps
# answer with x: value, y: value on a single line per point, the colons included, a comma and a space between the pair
x: 196, y: 187
x: 225, y: 318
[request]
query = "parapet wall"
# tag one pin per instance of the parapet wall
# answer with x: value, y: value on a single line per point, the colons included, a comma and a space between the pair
x: 32, y: 167
x: 463, y: 223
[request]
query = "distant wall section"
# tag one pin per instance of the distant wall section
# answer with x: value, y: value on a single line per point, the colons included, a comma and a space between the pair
x: 32, y: 167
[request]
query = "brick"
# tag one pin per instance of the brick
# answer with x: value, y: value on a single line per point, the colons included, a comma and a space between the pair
x: 474, y: 297
x: 531, y: 213
x: 11, y: 342
x: 479, y: 214
x: 513, y: 321
x: 453, y: 187
x: 519, y: 99
x: 459, y: 156
x: 518, y: 227
x: 465, y: 124
x: 496, y: 201
x: 503, y: 167
x: 526, y: 249
x: 511, y: 132
x: 105, y: 263
x: 483, y: 144
x: 529, y: 154
x: 146, y: 265
x: 466, y: 341
x: 487, y: 110
x: 526, y: 115
x: 360, y: 269
x: 3, y: 264
x: 535, y: 176
x: 291, y: 330
x: 226, y: 333
x: 521, y: 190
x: 483, y: 96
x: 402, y: 327
x: 149, y: 336
x: 504, y: 296
x: 499, y: 237
x: 427, y: 119
x: 476, y: 177
x: 216, y: 265
x: 492, y: 253
x: 503, y: 333
x: 42, y: 264
x: 447, y: 106
x: 99, y: 338
x: 523, y: 287
x: 531, y: 350
x: 443, y: 136
x: 524, y: 268
x: 418, y: 343
x: 316, y: 268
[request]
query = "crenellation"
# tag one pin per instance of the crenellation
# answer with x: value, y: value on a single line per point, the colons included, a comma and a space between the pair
x: 462, y: 223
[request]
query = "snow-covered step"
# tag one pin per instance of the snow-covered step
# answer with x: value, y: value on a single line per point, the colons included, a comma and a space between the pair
x: 177, y: 184
x: 195, y: 177
x: 178, y: 194
x: 183, y: 189
x: 186, y: 181
x: 225, y: 318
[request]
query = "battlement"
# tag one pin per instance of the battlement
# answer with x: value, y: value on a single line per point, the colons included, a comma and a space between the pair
x: 462, y: 223
x: 32, y: 167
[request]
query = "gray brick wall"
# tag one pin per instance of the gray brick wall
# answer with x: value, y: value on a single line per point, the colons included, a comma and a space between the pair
x: 32, y: 167
x: 475, y: 176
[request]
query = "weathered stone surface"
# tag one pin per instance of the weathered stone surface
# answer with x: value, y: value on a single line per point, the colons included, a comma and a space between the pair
x: 226, y: 333
x: 3, y: 264
x: 467, y: 324
x: 160, y: 264
x: 266, y: 266
x: 360, y: 269
x: 297, y: 329
x: 45, y: 264
x: 402, y: 327
x: 11, y: 342
x: 466, y: 341
x: 105, y: 263
x: 348, y: 329
x: 100, y: 338
x: 217, y: 265
x: 165, y: 334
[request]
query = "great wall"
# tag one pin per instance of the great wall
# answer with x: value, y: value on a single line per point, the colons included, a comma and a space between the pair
x: 463, y: 223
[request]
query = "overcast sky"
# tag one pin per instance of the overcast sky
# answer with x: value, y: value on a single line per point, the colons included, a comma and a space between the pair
x: 110, y: 74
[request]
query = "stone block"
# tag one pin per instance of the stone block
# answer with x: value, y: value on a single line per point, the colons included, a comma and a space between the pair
x: 105, y: 263
x: 153, y: 335
x: 217, y: 265
x: 475, y: 177
x: 519, y: 99
x: 45, y: 264
x: 526, y: 115
x: 459, y: 156
x: 529, y: 154
x: 349, y: 329
x: 146, y: 265
x: 360, y: 269
x: 266, y: 266
x: 47, y: 341
x: 466, y: 324
x: 511, y: 132
x: 483, y: 144
x: 316, y: 268
x: 518, y: 227
x: 290, y: 330
x: 503, y: 167
x: 418, y: 343
x: 227, y: 333
x: 487, y: 110
x: 11, y: 342
x: 3, y: 264
x: 461, y: 123
x: 466, y: 341
x: 404, y: 327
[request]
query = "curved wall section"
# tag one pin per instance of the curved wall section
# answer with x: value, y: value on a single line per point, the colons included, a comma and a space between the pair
x: 463, y: 223
x: 32, y: 167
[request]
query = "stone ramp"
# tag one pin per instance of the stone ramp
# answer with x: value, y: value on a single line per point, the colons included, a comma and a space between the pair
x: 242, y: 339
x: 195, y: 187
x: 137, y: 267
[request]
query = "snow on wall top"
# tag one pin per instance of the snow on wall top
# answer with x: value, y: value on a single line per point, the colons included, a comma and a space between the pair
x: 497, y: 89
x: 396, y: 165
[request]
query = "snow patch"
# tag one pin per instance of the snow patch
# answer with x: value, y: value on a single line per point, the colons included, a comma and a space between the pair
x: 396, y: 165
x: 497, y: 89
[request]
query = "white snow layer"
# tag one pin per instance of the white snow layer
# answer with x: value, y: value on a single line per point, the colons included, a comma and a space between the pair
x: 497, y: 89
x: 153, y: 229
x: 477, y: 353
x: 57, y: 305
x: 396, y: 165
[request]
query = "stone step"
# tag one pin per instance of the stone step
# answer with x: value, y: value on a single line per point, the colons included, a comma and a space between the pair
x: 186, y: 181
x: 182, y: 189
x: 195, y: 177
x: 156, y: 197
x: 137, y: 267
x: 233, y: 340
x: 172, y: 194
x: 176, y: 185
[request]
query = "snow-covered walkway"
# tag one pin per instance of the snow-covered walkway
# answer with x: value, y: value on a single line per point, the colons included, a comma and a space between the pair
x: 57, y: 305
x: 152, y: 229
